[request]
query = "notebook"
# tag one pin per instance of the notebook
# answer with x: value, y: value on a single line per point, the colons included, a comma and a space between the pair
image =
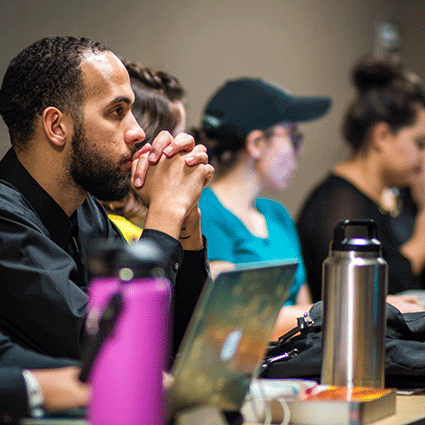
x: 228, y: 335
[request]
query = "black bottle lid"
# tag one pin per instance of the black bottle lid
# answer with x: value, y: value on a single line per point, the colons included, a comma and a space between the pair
x: 126, y: 261
x: 368, y: 244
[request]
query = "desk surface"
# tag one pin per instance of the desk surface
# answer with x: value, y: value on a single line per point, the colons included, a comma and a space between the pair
x: 410, y: 410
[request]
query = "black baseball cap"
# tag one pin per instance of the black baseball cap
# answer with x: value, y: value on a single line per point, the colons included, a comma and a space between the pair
x: 247, y: 104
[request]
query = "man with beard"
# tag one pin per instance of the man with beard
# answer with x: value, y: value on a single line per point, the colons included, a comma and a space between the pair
x: 67, y: 104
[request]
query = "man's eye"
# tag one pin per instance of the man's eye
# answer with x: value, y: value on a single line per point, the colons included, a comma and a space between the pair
x: 119, y: 112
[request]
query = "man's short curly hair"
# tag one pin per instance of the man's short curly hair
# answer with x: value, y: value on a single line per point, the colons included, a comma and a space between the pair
x: 46, y: 73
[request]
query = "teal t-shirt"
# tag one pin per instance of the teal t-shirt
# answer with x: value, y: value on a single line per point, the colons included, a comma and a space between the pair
x: 229, y: 239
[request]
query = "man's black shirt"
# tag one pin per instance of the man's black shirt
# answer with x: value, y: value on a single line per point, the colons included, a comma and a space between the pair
x: 43, y: 256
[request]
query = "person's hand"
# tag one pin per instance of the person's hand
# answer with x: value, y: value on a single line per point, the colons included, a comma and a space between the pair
x: 165, y: 144
x: 176, y: 177
x: 61, y: 388
x: 172, y: 187
x: 405, y: 303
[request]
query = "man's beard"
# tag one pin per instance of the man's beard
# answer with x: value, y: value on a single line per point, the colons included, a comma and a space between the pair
x: 94, y: 173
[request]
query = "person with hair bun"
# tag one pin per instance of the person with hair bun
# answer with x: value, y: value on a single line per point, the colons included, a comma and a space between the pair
x: 383, y: 179
x: 158, y: 106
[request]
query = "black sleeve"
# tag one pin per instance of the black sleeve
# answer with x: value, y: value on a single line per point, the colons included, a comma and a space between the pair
x: 400, y: 229
x: 189, y: 284
x: 172, y: 249
x: 13, y: 396
x: 13, y: 355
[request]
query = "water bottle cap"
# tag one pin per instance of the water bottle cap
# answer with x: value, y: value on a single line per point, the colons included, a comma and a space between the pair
x: 369, y: 244
x: 126, y: 261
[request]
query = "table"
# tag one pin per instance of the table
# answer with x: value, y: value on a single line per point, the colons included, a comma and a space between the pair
x: 410, y: 411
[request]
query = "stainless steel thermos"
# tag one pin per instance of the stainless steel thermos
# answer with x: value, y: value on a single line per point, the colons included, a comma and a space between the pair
x: 354, y: 288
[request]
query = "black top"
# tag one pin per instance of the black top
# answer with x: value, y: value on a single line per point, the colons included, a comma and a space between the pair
x: 335, y: 199
x: 43, y: 264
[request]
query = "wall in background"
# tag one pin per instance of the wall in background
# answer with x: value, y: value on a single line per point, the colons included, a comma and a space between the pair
x: 306, y: 46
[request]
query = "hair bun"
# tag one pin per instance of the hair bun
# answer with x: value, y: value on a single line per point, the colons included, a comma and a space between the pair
x: 374, y: 74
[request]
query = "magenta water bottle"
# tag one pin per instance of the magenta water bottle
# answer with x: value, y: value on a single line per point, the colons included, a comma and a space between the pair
x: 126, y: 375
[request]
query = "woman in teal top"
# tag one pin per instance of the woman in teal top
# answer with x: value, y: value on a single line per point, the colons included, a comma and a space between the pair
x: 250, y: 129
x: 229, y: 239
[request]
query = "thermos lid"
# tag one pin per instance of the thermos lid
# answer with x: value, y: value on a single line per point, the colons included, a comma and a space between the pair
x: 369, y: 244
x: 127, y: 261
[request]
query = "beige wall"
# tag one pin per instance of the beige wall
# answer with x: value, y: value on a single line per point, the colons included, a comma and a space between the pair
x: 307, y: 46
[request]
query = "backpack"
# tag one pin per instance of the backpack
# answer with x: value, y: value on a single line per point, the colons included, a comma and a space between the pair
x: 300, y: 356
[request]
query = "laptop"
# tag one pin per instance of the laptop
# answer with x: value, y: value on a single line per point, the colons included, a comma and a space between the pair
x: 228, y: 335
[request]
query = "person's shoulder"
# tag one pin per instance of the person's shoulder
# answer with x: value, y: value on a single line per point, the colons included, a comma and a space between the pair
x: 328, y: 181
x: 92, y: 216
x: 13, y: 202
x: 92, y: 206
x: 329, y: 187
x: 270, y: 204
x: 269, y: 207
x: 9, y: 193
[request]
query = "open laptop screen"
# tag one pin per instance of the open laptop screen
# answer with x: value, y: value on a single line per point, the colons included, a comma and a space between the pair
x: 228, y: 335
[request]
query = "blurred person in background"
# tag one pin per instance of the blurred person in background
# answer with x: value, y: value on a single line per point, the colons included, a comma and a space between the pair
x: 383, y: 179
x: 250, y: 128
x: 158, y: 106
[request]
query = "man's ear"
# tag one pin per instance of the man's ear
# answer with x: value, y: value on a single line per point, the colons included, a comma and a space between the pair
x: 56, y: 125
x: 255, y: 143
x: 380, y: 135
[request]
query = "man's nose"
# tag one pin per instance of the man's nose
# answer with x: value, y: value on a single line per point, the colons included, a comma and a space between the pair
x: 135, y: 134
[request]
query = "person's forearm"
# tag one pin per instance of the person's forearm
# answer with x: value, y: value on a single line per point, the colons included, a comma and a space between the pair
x: 190, y: 233
x: 414, y: 251
x: 287, y: 319
x: 165, y: 219
x: 303, y: 296
x: 414, y: 248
